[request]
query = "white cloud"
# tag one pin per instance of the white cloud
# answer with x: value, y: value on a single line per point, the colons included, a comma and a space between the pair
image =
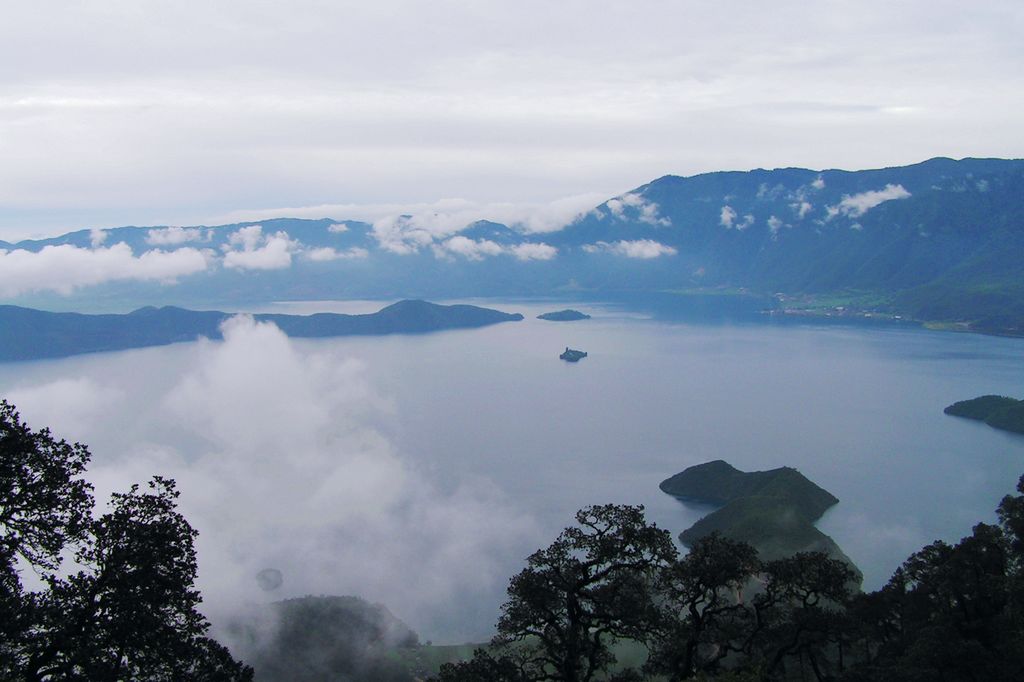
x: 172, y: 236
x: 770, y: 193
x: 469, y: 249
x: 801, y: 208
x: 775, y: 224
x: 248, y: 237
x: 283, y: 461
x: 256, y: 251
x: 408, y: 228
x: 819, y: 183
x: 645, y: 211
x: 727, y: 219
x: 97, y: 237
x: 76, y: 403
x: 326, y: 253
x: 534, y: 251
x: 856, y: 205
x: 64, y: 268
x: 639, y: 248
x: 402, y: 234
x: 481, y: 248
x: 337, y: 228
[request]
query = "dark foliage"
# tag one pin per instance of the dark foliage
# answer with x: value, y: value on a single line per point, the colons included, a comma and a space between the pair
x: 704, y: 617
x: 484, y: 666
x: 129, y: 612
x: 591, y: 587
x: 997, y: 411
x: 950, y: 612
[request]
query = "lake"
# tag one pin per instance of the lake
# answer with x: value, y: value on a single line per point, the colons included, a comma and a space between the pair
x: 463, y: 451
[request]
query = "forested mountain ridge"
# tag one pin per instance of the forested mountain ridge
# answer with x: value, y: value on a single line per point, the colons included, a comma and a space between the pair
x: 939, y: 241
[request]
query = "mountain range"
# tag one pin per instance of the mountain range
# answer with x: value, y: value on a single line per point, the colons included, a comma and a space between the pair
x: 936, y: 241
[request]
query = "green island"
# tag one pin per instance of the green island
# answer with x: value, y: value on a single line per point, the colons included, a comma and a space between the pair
x: 567, y: 315
x: 997, y: 411
x: 773, y: 511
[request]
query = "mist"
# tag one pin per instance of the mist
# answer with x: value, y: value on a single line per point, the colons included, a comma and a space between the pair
x: 283, y: 461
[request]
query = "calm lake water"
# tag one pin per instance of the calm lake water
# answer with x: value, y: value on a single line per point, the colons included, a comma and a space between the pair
x: 857, y: 410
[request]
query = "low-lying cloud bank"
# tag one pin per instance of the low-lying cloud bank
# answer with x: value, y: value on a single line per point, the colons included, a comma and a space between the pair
x: 283, y: 462
x: 439, y: 229
x: 64, y: 268
x: 638, y: 248
x: 444, y: 217
x: 478, y: 249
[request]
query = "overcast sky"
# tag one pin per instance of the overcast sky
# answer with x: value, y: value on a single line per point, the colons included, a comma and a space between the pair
x: 116, y: 112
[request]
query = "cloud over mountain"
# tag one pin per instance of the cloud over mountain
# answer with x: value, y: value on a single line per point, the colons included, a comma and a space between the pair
x: 638, y: 248
x: 856, y: 205
x: 64, y: 268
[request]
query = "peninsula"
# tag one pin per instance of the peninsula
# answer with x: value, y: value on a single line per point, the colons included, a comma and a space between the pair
x: 774, y: 511
x: 27, y: 334
x: 997, y: 411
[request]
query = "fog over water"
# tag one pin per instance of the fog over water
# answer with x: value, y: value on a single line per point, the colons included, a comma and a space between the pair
x: 420, y: 471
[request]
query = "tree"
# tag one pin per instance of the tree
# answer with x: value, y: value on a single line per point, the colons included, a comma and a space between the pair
x: 130, y: 610
x: 590, y: 587
x: 45, y: 504
x: 950, y: 612
x: 800, y: 612
x: 483, y: 667
x: 704, y: 616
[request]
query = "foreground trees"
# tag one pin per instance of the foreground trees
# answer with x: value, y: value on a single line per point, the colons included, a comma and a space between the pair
x: 128, y: 609
x: 950, y: 612
x: 586, y: 591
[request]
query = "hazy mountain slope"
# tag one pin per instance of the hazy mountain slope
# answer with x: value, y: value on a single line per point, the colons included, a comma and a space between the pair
x: 938, y: 240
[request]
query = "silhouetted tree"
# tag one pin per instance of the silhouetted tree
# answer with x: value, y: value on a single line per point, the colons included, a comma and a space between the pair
x: 950, y: 612
x: 129, y: 612
x: 800, y: 612
x: 44, y: 505
x: 704, y: 615
x: 484, y: 667
x: 592, y: 586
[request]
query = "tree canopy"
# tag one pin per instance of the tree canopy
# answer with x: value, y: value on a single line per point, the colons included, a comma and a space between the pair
x: 950, y: 612
x: 127, y: 609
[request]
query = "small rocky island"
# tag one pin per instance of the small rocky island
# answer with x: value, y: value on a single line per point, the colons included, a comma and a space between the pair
x: 566, y: 315
x: 997, y: 411
x: 572, y: 355
x: 774, y: 511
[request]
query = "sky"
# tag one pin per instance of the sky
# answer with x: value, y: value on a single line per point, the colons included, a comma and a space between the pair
x: 119, y: 112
